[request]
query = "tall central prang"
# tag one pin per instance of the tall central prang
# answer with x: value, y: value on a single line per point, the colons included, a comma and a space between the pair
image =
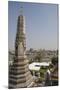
x: 19, y: 74
x: 20, y: 43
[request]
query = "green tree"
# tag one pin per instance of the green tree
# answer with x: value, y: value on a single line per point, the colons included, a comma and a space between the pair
x: 55, y: 60
x: 38, y: 57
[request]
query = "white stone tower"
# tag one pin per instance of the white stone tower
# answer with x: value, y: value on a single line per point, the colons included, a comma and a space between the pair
x: 19, y: 74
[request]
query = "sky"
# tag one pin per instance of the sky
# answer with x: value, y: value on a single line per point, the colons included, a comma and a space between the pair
x: 41, y: 24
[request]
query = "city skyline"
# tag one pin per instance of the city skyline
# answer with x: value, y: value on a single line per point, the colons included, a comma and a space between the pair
x: 41, y: 24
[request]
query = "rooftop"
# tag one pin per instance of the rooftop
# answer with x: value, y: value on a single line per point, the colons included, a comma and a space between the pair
x: 36, y: 65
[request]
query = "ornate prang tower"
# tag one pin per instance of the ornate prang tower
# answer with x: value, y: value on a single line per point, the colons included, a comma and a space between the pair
x: 19, y: 74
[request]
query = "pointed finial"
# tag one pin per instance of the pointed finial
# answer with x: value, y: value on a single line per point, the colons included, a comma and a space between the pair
x: 21, y: 10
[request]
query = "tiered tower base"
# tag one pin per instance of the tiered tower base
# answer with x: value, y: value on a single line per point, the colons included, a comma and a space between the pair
x: 19, y: 74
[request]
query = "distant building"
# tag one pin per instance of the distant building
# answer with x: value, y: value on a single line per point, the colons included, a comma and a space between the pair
x: 46, y: 55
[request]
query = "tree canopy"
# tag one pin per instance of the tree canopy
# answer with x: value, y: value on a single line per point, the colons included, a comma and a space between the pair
x: 55, y: 60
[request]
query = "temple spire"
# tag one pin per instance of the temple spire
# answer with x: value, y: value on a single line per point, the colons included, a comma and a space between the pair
x: 19, y: 74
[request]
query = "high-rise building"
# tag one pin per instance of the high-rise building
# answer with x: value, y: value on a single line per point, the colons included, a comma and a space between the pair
x: 19, y: 74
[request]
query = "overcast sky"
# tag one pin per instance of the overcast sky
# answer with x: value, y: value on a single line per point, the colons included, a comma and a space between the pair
x: 41, y: 24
